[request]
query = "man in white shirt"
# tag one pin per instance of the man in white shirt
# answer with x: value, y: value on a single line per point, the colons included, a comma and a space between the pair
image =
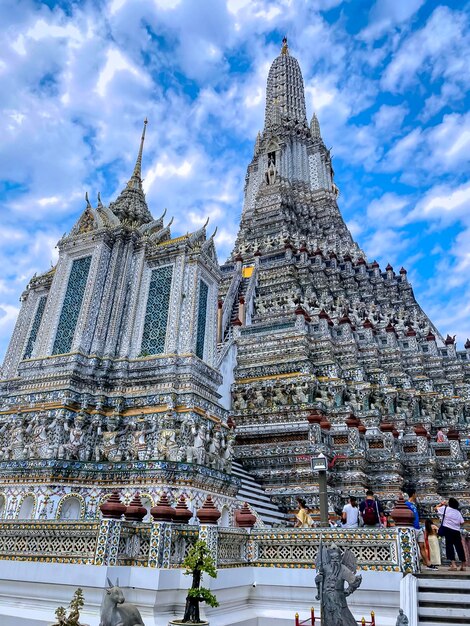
x: 350, y: 516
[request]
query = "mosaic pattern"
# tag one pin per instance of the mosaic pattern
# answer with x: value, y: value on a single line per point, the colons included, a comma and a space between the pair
x: 232, y: 547
x: 34, y: 328
x: 160, y: 544
x: 72, y: 305
x: 53, y: 542
x: 165, y: 545
x: 134, y: 544
x: 156, y: 316
x: 184, y: 537
x: 201, y: 319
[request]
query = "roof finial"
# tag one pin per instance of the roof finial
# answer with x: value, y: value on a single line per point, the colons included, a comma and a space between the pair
x: 88, y: 205
x: 138, y: 164
x: 285, y: 47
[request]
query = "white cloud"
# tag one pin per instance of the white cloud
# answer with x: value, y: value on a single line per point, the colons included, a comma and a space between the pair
x: 386, y: 245
x: 165, y: 169
x: 387, y: 14
x: 116, y: 62
x: 8, y: 315
x: 438, y: 49
x: 444, y: 204
x: 389, y: 209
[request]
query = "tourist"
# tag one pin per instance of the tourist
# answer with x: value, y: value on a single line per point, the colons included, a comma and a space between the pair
x: 431, y: 539
x: 303, y: 518
x: 371, y: 510
x: 451, y: 522
x: 411, y: 504
x: 440, y: 437
x: 350, y: 514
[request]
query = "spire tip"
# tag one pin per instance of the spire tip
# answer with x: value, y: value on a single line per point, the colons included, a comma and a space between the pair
x: 285, y: 47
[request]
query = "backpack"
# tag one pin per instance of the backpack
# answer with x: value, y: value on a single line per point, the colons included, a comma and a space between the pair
x: 369, y: 514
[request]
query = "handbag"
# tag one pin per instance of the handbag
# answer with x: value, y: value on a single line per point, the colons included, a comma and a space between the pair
x: 440, y: 530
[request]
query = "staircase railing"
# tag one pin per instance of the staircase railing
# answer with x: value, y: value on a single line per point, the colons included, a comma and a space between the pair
x: 230, y: 299
x: 250, y: 293
x: 317, y: 620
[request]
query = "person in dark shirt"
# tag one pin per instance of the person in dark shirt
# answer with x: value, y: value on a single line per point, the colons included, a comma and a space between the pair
x: 371, y: 509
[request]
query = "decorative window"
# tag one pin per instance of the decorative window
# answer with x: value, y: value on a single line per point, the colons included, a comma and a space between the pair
x: 201, y: 319
x: 72, y: 304
x: 35, y: 327
x: 156, y: 316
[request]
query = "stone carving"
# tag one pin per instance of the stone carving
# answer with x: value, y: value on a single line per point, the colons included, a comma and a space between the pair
x: 108, y: 449
x: 138, y: 445
x: 115, y: 611
x: 334, y: 570
x: 167, y: 446
x: 216, y: 446
x: 402, y: 619
x: 74, y: 448
x: 40, y: 445
x: 196, y: 451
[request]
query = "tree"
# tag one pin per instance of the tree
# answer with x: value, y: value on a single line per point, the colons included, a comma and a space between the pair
x: 198, y: 560
x: 75, y: 606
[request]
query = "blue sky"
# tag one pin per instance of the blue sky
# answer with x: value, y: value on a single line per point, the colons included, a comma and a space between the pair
x: 388, y: 79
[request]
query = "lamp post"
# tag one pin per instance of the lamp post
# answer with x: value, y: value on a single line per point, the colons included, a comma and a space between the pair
x: 320, y: 466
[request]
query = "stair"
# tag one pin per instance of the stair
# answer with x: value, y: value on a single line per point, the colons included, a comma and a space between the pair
x: 241, y: 292
x: 254, y: 494
x: 443, y: 599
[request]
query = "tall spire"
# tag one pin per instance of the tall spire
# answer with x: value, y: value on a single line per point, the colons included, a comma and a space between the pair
x: 131, y: 206
x: 137, y: 173
x: 285, y: 89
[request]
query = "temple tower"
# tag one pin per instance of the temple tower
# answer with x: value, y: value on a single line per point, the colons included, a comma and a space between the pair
x: 111, y: 371
x: 329, y: 352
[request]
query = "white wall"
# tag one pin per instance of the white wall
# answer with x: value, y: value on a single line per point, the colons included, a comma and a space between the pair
x: 248, y: 596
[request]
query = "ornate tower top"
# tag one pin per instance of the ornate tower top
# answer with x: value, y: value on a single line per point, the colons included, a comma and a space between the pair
x: 131, y: 205
x: 285, y: 97
x: 315, y: 127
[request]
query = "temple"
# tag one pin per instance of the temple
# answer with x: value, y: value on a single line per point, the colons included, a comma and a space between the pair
x: 139, y: 362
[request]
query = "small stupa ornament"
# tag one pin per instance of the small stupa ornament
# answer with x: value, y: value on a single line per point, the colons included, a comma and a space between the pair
x: 285, y: 47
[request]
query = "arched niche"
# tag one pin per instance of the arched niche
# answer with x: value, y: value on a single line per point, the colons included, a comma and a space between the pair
x: 147, y: 502
x: 3, y: 506
x: 71, y: 507
x: 26, y: 510
x: 225, y: 517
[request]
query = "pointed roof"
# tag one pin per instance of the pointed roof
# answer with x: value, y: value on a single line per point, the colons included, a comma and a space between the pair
x: 285, y: 90
x: 131, y: 206
x: 315, y: 127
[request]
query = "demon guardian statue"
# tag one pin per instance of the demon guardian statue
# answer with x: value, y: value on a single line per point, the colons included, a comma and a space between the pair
x: 334, y: 570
